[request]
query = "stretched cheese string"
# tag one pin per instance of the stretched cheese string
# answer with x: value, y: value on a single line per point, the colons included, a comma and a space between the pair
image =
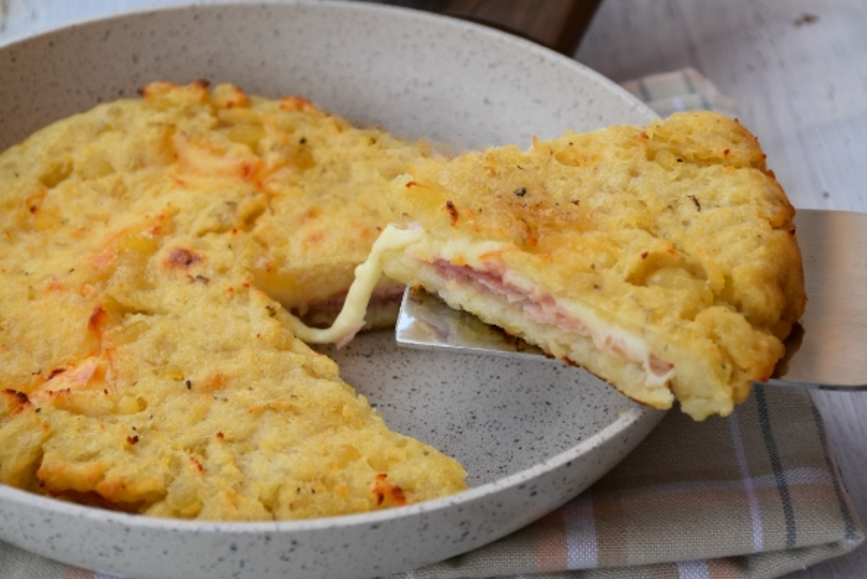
x: 351, y: 317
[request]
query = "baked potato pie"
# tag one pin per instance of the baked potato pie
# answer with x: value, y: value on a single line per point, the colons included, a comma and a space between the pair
x: 166, y: 258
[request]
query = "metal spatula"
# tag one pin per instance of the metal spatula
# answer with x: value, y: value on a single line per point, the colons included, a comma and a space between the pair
x: 827, y: 350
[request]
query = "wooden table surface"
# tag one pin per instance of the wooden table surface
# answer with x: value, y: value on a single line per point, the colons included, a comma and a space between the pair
x: 797, y: 70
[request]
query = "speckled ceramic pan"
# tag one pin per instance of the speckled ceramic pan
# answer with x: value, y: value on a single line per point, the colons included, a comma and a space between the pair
x: 531, y: 434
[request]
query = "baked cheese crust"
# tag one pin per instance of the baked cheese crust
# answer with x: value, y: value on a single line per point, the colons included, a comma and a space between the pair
x: 663, y: 259
x: 145, y: 362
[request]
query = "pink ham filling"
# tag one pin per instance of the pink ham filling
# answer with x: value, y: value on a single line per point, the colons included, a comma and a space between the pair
x: 540, y: 307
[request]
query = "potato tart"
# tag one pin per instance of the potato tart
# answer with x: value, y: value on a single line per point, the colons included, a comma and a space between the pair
x: 146, y: 362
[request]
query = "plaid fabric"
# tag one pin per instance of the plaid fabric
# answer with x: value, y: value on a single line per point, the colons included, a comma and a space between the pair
x: 756, y: 495
x: 681, y: 90
x: 752, y: 496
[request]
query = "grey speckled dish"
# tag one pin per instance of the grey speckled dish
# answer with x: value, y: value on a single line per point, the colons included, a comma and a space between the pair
x: 531, y: 434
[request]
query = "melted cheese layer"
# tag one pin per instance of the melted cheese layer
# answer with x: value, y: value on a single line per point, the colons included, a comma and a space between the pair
x: 606, y: 336
x: 351, y: 317
x: 516, y: 290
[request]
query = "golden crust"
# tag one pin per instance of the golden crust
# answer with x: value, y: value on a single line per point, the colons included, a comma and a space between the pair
x: 143, y: 365
x: 675, y: 233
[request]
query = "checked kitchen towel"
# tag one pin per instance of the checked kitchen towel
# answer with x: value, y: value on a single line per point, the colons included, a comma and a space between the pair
x: 756, y: 495
x: 752, y: 496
